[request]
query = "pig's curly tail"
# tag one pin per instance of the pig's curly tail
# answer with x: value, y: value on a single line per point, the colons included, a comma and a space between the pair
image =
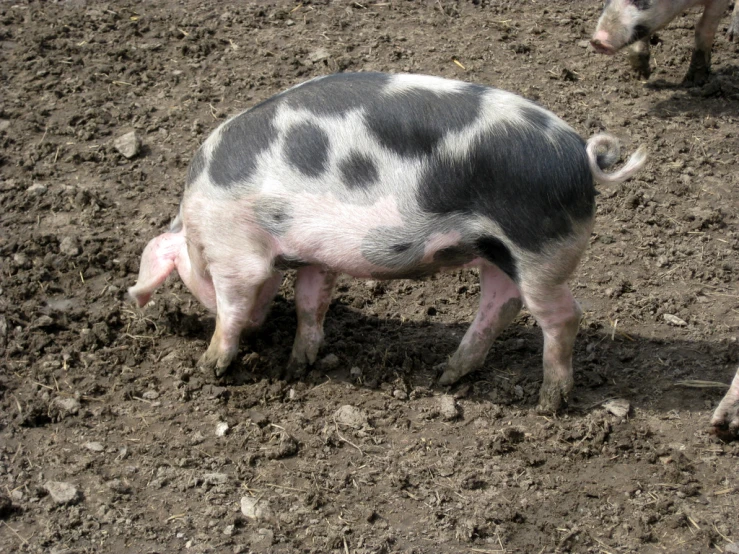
x: 603, y: 151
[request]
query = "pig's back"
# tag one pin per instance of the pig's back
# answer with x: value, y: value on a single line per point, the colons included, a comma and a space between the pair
x: 392, y: 163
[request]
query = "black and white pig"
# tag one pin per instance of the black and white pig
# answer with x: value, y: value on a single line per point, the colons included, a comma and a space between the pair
x: 388, y: 176
x: 632, y: 22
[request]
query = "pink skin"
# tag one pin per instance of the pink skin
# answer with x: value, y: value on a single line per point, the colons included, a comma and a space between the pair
x: 439, y: 241
x: 162, y: 254
x: 725, y: 420
x: 500, y: 302
x: 558, y: 315
x: 313, y: 288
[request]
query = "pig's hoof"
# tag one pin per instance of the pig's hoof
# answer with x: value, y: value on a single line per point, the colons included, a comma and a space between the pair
x: 553, y: 397
x: 218, y: 365
x: 295, y: 369
x: 640, y: 65
x: 725, y: 422
x: 451, y: 374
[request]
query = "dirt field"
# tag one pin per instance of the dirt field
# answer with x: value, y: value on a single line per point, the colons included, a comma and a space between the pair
x: 112, y: 441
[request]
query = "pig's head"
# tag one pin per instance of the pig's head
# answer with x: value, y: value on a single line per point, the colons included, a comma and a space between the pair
x: 623, y: 22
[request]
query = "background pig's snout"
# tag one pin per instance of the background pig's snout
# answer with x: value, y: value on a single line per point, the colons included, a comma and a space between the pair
x: 601, y: 46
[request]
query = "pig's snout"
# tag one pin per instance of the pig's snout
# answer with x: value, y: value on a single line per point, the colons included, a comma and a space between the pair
x: 601, y: 44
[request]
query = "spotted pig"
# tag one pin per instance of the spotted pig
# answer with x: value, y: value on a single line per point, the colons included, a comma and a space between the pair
x: 388, y: 177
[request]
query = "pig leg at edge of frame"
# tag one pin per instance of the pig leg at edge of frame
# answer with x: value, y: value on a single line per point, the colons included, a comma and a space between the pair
x: 733, y: 30
x: 500, y: 302
x: 558, y: 315
x: 725, y: 419
x: 239, y: 299
x: 705, y: 31
x: 638, y: 54
x: 313, y: 288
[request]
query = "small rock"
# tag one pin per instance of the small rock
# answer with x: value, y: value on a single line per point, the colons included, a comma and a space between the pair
x: 221, y: 429
x: 128, y: 144
x: 66, y: 405
x: 69, y: 246
x: 121, y: 487
x: 733, y: 548
x: 583, y: 43
x: 288, y: 446
x: 215, y: 478
x: 150, y: 395
x: 62, y: 493
x: 618, y: 407
x: 674, y: 320
x: 329, y: 362
x: 21, y: 260
x: 37, y: 189
x: 16, y: 495
x: 254, y: 508
x: 448, y: 407
x: 518, y: 392
x: 400, y: 394
x: 197, y: 438
x: 4, y: 124
x: 258, y: 418
x: 94, y: 446
x: 351, y: 416
x: 318, y: 55
x: 229, y: 530
x: 355, y: 372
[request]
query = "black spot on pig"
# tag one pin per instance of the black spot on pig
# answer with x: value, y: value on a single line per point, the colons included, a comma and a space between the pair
x: 531, y: 186
x: 392, y: 248
x: 242, y: 140
x: 640, y: 32
x: 452, y: 256
x: 496, y: 252
x: 358, y: 171
x: 412, y: 122
x: 306, y: 148
x: 643, y: 5
x: 337, y: 94
x: 273, y: 215
x: 537, y: 117
x: 197, y: 165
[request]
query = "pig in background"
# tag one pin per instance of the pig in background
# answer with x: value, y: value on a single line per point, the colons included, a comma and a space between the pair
x: 632, y: 23
x: 388, y: 176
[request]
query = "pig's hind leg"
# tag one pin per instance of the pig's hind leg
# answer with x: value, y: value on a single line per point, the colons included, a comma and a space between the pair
x: 242, y: 301
x: 500, y: 302
x: 313, y: 288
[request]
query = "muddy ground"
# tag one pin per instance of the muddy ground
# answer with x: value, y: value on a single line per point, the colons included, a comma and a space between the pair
x: 112, y: 441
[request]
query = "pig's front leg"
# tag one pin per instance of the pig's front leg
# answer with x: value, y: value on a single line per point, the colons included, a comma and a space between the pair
x: 558, y: 315
x: 313, y: 288
x: 638, y: 54
x: 725, y: 419
x: 705, y: 31
x: 733, y: 30
x: 500, y: 302
x: 241, y: 303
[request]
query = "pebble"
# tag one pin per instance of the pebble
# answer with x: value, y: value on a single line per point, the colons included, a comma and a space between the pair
x: 129, y: 144
x: 355, y: 372
x: 94, y: 446
x: 69, y: 246
x: 351, y: 416
x: 674, y: 320
x: 66, y: 405
x: 62, y: 493
x: 400, y: 394
x: 254, y: 508
x: 229, y: 530
x: 448, y: 407
x: 330, y: 361
x: 318, y: 55
x: 215, y: 478
x: 618, y: 407
x: 197, y: 438
x: 37, y: 189
x: 221, y: 429
x: 150, y: 395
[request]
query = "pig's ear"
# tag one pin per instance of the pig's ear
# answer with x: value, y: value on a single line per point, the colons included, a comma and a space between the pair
x: 157, y: 262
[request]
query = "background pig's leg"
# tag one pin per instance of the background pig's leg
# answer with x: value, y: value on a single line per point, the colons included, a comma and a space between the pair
x: 237, y: 296
x: 500, y: 302
x: 705, y: 30
x: 558, y: 315
x: 733, y: 30
x: 725, y: 419
x: 638, y: 54
x: 313, y: 288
